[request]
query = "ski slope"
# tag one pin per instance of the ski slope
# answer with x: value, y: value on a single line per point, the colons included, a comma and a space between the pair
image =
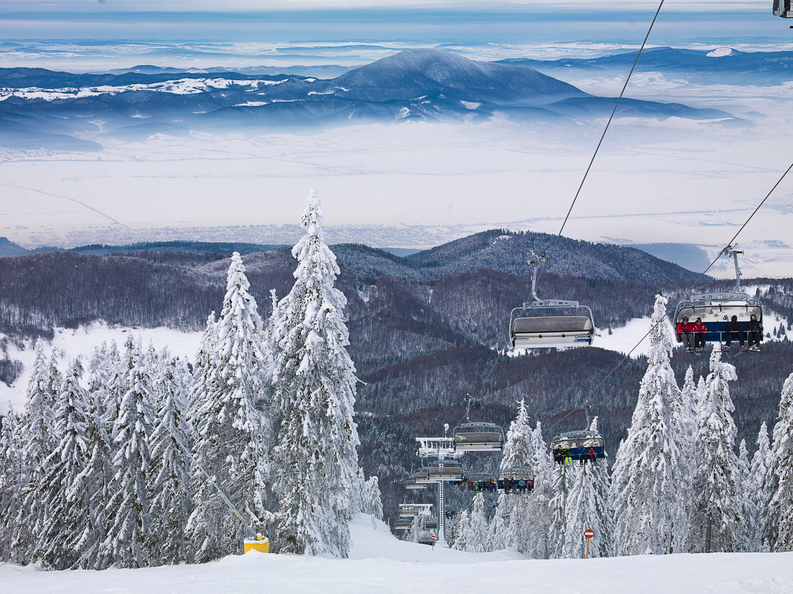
x: 381, y: 563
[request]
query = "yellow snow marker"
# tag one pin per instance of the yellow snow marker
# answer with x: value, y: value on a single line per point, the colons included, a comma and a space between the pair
x: 260, y: 544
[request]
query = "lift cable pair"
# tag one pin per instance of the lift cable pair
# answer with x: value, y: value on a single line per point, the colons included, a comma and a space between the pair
x: 546, y: 331
x: 726, y: 250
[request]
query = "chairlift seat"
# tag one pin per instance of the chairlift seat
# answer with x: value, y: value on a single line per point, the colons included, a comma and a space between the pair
x: 412, y: 485
x: 445, y: 474
x: 478, y: 437
x: 481, y: 482
x: 516, y: 480
x: 578, y: 445
x: 552, y: 331
x: 716, y: 310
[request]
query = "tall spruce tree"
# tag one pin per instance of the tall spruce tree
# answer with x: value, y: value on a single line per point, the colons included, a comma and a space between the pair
x: 782, y: 503
x: 171, y: 441
x: 62, y: 469
x: 648, y: 476
x: 128, y: 506
x: 231, y: 382
x: 530, y: 520
x: 715, y: 521
x: 518, y: 453
x: 476, y: 535
x: 11, y: 484
x: 314, y: 381
x: 762, y: 487
x: 557, y: 506
x: 37, y: 432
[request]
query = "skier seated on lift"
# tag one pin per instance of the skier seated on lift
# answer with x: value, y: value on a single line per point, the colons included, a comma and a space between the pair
x: 591, y: 455
x: 560, y: 453
x: 733, y: 330
x: 684, y: 331
x: 754, y: 331
x: 699, y: 330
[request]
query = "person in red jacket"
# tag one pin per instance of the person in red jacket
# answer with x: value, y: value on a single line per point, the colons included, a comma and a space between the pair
x: 684, y: 332
x: 699, y: 330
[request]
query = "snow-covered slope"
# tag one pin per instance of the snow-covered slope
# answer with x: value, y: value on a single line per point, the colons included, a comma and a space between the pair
x: 381, y: 563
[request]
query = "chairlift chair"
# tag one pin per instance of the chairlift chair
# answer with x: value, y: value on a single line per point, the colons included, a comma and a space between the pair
x: 481, y: 482
x: 431, y: 524
x: 403, y: 524
x: 412, y: 485
x: 550, y: 331
x: 477, y: 436
x: 716, y: 309
x: 516, y: 480
x: 583, y: 446
x: 782, y: 8
x: 450, y: 472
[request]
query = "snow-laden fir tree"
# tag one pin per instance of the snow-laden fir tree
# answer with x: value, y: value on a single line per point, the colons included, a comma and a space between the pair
x: 92, y: 488
x: 497, y: 533
x: 747, y: 509
x: 314, y: 382
x: 231, y: 419
x: 11, y: 484
x: 128, y: 507
x: 370, y: 500
x: 561, y: 479
x: 649, y: 477
x: 518, y: 452
x: 37, y: 432
x: 461, y: 531
x: 476, y: 528
x: 62, y: 469
x: 533, y: 513
x: 782, y: 503
x: 762, y: 487
x: 715, y: 522
x: 171, y: 442
x: 589, y: 507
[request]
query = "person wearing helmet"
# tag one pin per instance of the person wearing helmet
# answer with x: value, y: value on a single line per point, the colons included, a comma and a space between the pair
x: 699, y: 330
x: 754, y: 331
x: 685, y: 335
x: 733, y: 330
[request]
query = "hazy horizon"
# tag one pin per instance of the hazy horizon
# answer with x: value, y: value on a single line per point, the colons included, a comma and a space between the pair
x: 414, y: 185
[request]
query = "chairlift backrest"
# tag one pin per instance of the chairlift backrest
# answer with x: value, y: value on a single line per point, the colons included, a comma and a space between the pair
x: 479, y: 436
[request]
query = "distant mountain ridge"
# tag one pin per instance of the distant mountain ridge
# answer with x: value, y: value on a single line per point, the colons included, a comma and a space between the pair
x: 725, y: 65
x: 40, y: 108
x: 508, y: 252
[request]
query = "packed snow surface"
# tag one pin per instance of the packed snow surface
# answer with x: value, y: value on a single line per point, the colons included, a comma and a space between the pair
x: 380, y: 563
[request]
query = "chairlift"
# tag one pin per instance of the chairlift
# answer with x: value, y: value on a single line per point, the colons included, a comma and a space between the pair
x: 481, y: 482
x: 516, y: 480
x: 410, y: 510
x: 439, y: 472
x: 403, y: 524
x: 477, y: 436
x: 412, y: 485
x: 431, y: 524
x: 584, y: 445
x: 717, y: 309
x: 782, y: 8
x: 573, y: 329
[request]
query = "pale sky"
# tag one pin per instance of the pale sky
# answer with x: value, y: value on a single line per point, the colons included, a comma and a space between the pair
x: 290, y: 20
x: 264, y: 5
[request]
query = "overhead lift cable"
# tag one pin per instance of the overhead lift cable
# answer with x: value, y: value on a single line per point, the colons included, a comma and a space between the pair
x: 719, y: 255
x: 600, y: 142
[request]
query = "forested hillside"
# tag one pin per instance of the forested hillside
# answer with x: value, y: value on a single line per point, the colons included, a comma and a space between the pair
x: 425, y: 331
